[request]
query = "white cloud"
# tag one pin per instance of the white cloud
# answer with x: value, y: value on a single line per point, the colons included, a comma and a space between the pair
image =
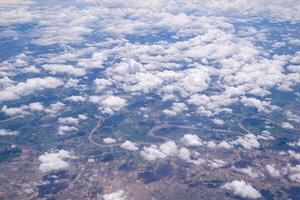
x: 218, y: 121
x: 248, y: 171
x: 76, y: 98
x: 112, y: 104
x: 5, y: 132
x: 294, y: 173
x: 68, y: 120
x: 273, y: 171
x: 65, y: 69
x: 128, y: 145
x: 153, y: 153
x: 243, y: 189
x: 287, y: 125
x: 119, y: 195
x: 36, y: 106
x: 249, y: 141
x: 28, y: 87
x: 191, y: 140
x: 64, y: 129
x: 55, y: 161
x: 224, y: 145
x: 55, y: 108
x: 109, y: 140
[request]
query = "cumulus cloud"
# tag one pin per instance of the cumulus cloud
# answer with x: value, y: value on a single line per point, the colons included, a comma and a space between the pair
x: 64, y: 129
x: 55, y: 161
x: 128, y: 145
x: 119, y: 195
x: 5, y: 132
x: 273, y: 171
x: 248, y: 141
x: 109, y: 140
x: 191, y: 140
x: 248, y: 171
x: 153, y: 153
x: 76, y: 98
x: 243, y: 189
x: 28, y: 87
x: 287, y: 125
x: 65, y: 69
x: 110, y: 104
x: 294, y: 173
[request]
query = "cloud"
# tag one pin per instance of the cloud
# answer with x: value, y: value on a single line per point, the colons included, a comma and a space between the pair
x: 119, y: 195
x: 248, y: 141
x: 55, y: 161
x: 128, y: 145
x: 16, y: 15
x: 153, y: 153
x: 65, y: 69
x: 219, y: 122
x: 287, y: 125
x: 109, y: 140
x: 23, y: 110
x: 28, y: 87
x: 55, y: 108
x: 5, y: 132
x: 243, y: 189
x: 64, y: 129
x: 68, y: 120
x: 76, y: 98
x: 248, y: 171
x: 294, y: 173
x: 191, y: 140
x: 273, y: 171
x: 224, y: 145
x: 112, y: 104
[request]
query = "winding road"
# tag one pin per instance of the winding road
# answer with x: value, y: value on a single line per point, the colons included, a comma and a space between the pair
x: 152, y: 132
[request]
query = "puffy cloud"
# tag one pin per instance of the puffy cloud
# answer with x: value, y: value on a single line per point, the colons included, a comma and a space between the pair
x: 128, y: 145
x: 55, y: 108
x: 153, y: 153
x: 243, y: 189
x: 168, y: 148
x: 248, y: 171
x: 36, y: 106
x: 64, y: 129
x: 102, y: 84
x: 68, y: 120
x: 287, y: 125
x: 294, y: 173
x: 175, y: 109
x: 273, y: 171
x: 218, y: 121
x: 66, y: 69
x: 249, y: 141
x: 109, y: 140
x: 112, y: 104
x: 22, y: 110
x: 294, y: 154
x: 14, y: 111
x: 5, y: 132
x: 224, y: 145
x: 28, y: 87
x: 19, y: 15
x: 119, y: 195
x: 31, y: 69
x: 76, y: 98
x: 55, y: 161
x: 191, y: 140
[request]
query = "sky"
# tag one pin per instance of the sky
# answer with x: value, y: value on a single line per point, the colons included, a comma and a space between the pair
x: 199, y: 57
